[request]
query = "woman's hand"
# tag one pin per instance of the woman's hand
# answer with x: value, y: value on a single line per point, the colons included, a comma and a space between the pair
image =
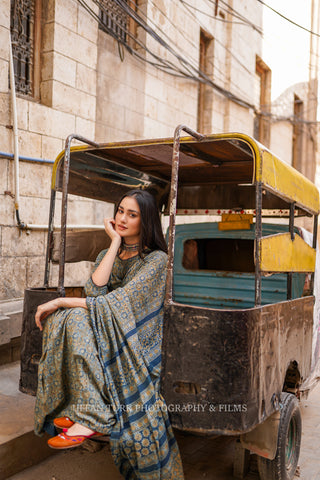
x: 45, y: 309
x: 109, y: 224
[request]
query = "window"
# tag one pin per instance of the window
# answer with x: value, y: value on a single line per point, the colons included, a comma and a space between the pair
x: 262, y: 102
x: 117, y: 22
x: 25, y: 38
x: 205, y: 92
x: 222, y: 254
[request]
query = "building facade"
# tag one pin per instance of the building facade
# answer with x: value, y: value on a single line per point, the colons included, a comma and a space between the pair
x: 111, y: 70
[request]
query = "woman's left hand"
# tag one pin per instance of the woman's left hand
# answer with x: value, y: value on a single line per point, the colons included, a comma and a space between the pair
x: 46, y: 309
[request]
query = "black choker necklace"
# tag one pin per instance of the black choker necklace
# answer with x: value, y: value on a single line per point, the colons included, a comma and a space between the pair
x: 130, y: 248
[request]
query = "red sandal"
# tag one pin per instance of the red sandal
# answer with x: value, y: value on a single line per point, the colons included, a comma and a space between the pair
x: 63, y: 422
x: 63, y: 440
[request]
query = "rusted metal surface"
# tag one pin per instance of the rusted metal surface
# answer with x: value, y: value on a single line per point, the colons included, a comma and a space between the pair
x: 314, y: 245
x: 173, y: 202
x: 258, y: 235
x: 49, y: 238
x: 31, y: 337
x: 291, y: 230
x: 64, y: 204
x: 238, y: 359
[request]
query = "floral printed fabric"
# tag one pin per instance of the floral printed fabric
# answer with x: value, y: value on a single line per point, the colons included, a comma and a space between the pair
x: 101, y: 367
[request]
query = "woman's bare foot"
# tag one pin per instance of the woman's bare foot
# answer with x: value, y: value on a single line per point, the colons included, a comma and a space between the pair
x: 78, y: 429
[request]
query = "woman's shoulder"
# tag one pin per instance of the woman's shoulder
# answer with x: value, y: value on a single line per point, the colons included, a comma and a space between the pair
x: 158, y: 256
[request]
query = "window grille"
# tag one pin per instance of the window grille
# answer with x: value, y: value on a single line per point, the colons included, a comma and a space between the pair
x: 21, y: 28
x: 114, y: 20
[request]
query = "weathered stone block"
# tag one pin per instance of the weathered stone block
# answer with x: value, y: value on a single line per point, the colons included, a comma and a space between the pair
x: 47, y: 60
x: 48, y: 37
x: 111, y: 113
x: 74, y: 46
x: 80, y: 211
x: 48, y: 11
x: 86, y: 79
x: 4, y: 109
x: 133, y: 123
x: 22, y: 113
x: 29, y: 144
x: 7, y: 214
x: 35, y: 210
x: 13, y: 277
x: 50, y: 122
x: 6, y: 136
x: 51, y: 147
x: 66, y: 13
x: 46, y: 92
x: 70, y: 100
x: 10, y: 319
x: 76, y: 274
x: 5, y: 14
x: 4, y: 72
x: 87, y: 26
x: 34, y: 180
x: 35, y: 271
x: 17, y: 243
x: 64, y: 70
x: 4, y: 43
x: 4, y: 167
x: 86, y: 128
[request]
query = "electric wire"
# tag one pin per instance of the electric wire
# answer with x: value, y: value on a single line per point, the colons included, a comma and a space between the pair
x: 288, y: 19
x: 191, y: 72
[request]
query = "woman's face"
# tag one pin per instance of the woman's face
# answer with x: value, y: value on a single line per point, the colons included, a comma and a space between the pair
x: 128, y: 220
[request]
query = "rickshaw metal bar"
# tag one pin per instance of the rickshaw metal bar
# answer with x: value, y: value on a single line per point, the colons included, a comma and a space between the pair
x: 258, y: 235
x: 314, y: 245
x: 49, y: 238
x: 173, y: 203
x: 64, y: 204
x: 291, y: 230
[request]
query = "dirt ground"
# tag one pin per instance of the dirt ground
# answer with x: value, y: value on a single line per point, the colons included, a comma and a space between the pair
x: 203, y: 458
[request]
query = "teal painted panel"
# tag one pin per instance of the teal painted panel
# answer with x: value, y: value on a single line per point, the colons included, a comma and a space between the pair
x: 221, y: 289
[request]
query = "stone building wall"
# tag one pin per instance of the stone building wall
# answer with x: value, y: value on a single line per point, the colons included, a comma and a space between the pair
x: 91, y: 87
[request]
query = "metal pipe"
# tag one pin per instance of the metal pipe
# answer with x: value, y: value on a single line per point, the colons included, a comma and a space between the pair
x: 64, y: 205
x: 49, y: 239
x: 258, y: 235
x: 15, y: 136
x: 10, y: 156
x: 30, y: 226
x: 314, y: 245
x: 291, y: 230
x: 173, y: 203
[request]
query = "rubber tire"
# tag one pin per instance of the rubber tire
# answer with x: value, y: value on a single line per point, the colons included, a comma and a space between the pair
x: 279, y: 468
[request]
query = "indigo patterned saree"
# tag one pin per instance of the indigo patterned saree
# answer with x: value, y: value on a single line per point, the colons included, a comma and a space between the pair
x: 101, y: 368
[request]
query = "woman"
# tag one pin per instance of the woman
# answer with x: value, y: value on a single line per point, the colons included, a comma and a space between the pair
x: 100, y: 367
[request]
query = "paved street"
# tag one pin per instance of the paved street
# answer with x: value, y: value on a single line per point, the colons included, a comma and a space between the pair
x: 209, y: 459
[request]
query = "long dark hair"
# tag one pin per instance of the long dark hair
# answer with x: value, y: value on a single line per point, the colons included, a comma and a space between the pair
x: 151, y: 236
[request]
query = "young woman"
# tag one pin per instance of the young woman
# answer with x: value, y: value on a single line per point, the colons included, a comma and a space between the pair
x: 100, y: 367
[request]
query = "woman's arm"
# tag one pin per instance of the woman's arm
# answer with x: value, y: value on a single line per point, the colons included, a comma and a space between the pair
x: 61, y: 302
x: 101, y: 275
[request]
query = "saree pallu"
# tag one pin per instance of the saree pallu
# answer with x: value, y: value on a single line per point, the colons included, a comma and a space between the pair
x: 101, y: 368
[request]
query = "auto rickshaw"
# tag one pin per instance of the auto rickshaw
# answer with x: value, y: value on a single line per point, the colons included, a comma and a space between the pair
x: 240, y: 335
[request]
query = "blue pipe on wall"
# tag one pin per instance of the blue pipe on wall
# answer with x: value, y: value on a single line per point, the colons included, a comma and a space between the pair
x: 10, y: 156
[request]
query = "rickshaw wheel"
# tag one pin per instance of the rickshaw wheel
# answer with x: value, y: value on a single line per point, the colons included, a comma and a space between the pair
x: 283, y: 466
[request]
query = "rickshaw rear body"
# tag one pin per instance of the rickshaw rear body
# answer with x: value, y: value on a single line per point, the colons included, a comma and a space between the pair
x: 226, y: 356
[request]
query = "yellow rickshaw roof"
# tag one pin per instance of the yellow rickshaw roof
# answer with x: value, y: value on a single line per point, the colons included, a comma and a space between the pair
x: 219, y: 171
